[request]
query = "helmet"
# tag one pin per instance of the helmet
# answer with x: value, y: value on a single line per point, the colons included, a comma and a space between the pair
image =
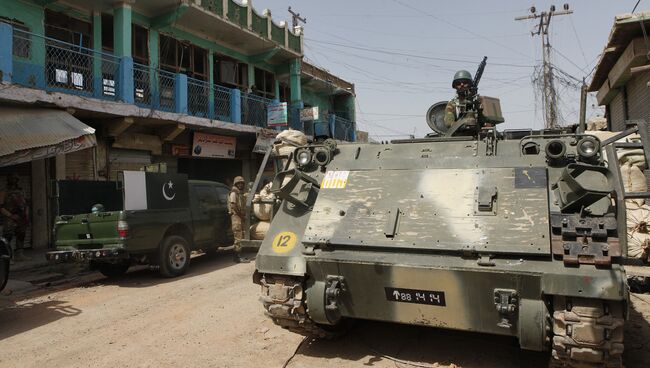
x: 461, y: 76
x: 238, y: 179
x: 97, y: 207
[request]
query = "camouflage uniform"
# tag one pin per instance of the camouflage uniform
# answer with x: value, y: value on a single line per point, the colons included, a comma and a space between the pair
x: 450, y: 112
x: 236, y: 211
x: 16, y: 215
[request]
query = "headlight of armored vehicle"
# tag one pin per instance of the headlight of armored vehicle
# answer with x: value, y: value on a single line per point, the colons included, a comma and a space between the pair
x: 322, y: 156
x: 303, y: 157
x: 588, y: 147
x: 555, y: 150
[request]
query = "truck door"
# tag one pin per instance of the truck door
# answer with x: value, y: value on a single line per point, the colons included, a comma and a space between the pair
x: 206, y: 208
x: 222, y: 220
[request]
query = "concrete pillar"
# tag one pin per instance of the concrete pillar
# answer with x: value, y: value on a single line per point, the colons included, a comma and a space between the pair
x: 6, y: 57
x: 98, y: 87
x: 122, y: 29
x: 59, y: 167
x: 296, y: 94
x: 122, y: 40
x: 235, y: 106
x: 251, y: 77
x: 332, y: 124
x: 276, y: 89
x: 180, y: 93
x: 211, y: 114
x: 40, y: 223
x: 154, y: 40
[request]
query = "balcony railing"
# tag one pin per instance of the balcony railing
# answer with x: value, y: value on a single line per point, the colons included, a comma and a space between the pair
x: 68, y: 68
x: 53, y: 65
x: 254, y: 109
x: 343, y: 129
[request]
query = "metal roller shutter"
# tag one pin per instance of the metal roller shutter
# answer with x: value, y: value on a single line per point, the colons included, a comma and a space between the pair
x: 80, y: 165
x: 638, y: 95
x: 124, y: 159
x: 617, y: 113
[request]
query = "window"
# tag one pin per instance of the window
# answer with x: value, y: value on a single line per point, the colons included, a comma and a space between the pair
x: 223, y: 194
x: 285, y: 93
x: 207, y: 197
x: 22, y: 41
x: 108, y: 44
x: 264, y: 83
x: 140, y: 44
x: 67, y: 29
x: 183, y: 57
x: 230, y: 72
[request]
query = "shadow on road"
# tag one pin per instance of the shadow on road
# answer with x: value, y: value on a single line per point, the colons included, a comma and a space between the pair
x: 26, y: 316
x: 637, y: 332
x: 140, y: 277
x: 369, y: 342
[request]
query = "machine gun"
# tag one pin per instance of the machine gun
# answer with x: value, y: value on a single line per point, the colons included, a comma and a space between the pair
x: 474, y: 110
x: 470, y: 105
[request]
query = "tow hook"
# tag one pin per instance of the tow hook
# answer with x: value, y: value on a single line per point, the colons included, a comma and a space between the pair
x: 506, y: 301
x: 333, y: 287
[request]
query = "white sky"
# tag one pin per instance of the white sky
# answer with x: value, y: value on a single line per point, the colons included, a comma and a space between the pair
x: 402, y: 54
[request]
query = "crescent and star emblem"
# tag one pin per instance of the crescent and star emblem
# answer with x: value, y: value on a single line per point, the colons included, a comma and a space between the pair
x: 170, y: 186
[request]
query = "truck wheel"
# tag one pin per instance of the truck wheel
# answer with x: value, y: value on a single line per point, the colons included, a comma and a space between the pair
x: 113, y: 269
x: 174, y: 256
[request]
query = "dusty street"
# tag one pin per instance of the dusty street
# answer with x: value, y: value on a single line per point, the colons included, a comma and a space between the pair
x: 211, y: 318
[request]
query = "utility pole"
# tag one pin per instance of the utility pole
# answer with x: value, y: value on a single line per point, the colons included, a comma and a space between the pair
x: 550, y: 97
x: 582, y: 127
x: 296, y: 18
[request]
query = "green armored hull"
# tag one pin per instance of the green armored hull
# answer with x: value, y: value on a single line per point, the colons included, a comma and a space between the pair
x: 517, y: 233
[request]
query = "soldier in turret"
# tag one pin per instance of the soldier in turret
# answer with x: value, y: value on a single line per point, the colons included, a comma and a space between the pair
x: 455, y: 107
x: 237, y: 213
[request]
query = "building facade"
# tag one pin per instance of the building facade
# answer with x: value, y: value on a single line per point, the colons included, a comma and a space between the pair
x: 154, y: 80
x: 622, y: 75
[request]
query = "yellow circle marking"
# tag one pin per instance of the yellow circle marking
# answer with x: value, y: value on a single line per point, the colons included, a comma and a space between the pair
x: 284, y: 242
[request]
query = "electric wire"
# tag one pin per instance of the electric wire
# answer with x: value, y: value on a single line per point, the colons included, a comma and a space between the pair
x: 455, y: 25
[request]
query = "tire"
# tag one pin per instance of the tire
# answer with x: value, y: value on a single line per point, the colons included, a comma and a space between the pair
x: 174, y: 256
x: 111, y: 270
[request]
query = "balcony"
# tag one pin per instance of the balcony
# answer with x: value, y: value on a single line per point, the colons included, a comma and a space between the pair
x: 55, y: 66
x: 72, y: 69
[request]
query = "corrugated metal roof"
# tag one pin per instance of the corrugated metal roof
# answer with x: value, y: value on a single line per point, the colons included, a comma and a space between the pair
x: 26, y: 128
x: 626, y: 28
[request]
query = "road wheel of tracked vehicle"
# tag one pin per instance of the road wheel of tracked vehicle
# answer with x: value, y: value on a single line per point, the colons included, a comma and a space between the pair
x: 587, y: 333
x: 284, y: 302
x: 174, y: 256
x: 112, y: 269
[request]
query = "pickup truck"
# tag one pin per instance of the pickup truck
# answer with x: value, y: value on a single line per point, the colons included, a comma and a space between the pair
x: 162, y: 218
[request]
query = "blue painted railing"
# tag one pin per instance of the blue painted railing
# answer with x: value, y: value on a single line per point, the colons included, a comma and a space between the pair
x: 45, y: 63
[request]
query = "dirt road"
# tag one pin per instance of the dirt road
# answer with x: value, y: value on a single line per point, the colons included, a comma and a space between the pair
x: 212, y: 318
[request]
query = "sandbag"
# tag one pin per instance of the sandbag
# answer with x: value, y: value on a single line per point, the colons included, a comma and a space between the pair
x: 638, y: 231
x: 294, y: 137
x: 263, y: 210
x: 259, y: 230
x: 633, y: 181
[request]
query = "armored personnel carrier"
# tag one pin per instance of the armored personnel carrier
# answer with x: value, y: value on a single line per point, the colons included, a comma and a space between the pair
x: 518, y: 233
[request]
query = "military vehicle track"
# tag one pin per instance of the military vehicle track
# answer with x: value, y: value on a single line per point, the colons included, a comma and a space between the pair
x: 588, y: 333
x: 284, y: 302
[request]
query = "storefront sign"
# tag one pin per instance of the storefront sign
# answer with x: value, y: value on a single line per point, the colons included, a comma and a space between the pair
x: 180, y: 150
x: 277, y: 115
x: 265, y: 139
x: 309, y: 114
x: 212, y: 145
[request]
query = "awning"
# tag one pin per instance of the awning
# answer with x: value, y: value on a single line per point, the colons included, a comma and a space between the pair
x: 28, y: 134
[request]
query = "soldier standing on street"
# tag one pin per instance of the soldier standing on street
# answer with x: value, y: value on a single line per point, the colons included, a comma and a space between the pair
x: 15, y: 214
x: 462, y: 83
x: 237, y: 213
